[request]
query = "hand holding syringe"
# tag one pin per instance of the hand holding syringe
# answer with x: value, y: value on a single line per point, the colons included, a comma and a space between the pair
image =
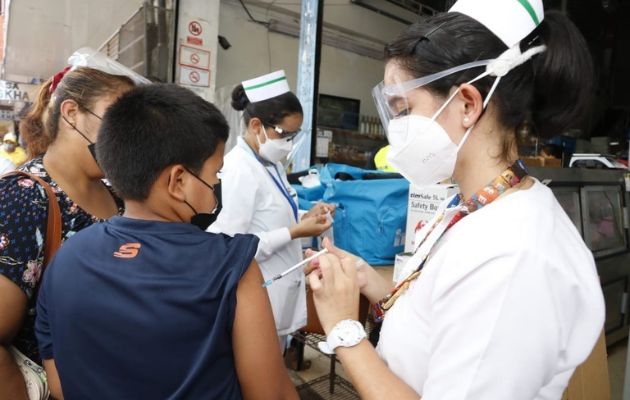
x: 293, y: 268
x: 312, y: 257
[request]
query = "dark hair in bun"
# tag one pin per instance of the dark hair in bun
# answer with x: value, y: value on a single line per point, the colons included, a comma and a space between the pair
x: 270, y: 111
x: 239, y: 98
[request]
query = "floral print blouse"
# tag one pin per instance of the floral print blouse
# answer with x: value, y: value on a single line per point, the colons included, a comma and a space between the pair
x: 23, y: 218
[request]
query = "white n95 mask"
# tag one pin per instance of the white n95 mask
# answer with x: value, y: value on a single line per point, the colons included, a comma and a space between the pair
x: 421, y: 150
x: 274, y: 150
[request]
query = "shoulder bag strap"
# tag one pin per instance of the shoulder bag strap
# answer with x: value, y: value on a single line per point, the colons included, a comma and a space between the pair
x: 53, y: 225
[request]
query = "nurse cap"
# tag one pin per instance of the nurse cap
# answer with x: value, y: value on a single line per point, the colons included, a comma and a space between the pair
x: 510, y: 20
x: 266, y: 86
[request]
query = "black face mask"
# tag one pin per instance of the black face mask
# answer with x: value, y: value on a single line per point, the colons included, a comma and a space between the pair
x: 92, y: 150
x: 91, y: 145
x: 204, y: 220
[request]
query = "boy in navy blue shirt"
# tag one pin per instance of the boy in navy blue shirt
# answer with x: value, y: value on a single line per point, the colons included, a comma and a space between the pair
x: 148, y: 305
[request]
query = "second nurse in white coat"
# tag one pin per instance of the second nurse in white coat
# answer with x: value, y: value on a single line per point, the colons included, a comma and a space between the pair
x: 258, y: 199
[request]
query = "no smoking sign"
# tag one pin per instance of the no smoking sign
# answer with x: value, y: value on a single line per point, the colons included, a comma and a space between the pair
x: 195, y: 28
x: 194, y: 76
x: 194, y: 57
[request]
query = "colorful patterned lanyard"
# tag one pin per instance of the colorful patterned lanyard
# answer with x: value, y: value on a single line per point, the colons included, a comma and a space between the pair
x: 507, y: 179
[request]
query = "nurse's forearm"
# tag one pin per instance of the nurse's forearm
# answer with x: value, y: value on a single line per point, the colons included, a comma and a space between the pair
x: 370, y: 376
x: 270, y: 242
x: 377, y: 287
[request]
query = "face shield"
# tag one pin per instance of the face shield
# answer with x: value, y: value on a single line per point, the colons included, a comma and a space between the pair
x: 87, y: 57
x: 392, y: 100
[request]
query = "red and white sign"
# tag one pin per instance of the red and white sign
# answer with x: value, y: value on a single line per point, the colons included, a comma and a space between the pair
x: 193, y: 57
x: 196, y: 41
x: 194, y: 76
x: 195, y: 38
x: 195, y: 29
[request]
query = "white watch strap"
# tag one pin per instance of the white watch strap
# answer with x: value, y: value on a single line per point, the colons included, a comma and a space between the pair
x: 325, y: 348
x: 333, y: 341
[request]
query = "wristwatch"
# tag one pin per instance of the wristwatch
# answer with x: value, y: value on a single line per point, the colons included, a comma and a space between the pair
x: 346, y: 333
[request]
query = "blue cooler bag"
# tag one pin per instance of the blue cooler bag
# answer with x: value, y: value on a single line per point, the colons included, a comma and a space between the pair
x: 371, y: 214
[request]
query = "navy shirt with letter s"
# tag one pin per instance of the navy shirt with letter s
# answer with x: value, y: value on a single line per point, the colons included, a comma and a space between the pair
x: 134, y: 309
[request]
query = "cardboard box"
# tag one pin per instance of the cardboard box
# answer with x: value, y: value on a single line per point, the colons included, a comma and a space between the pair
x: 547, y: 162
x: 590, y: 380
x: 551, y: 162
x: 422, y: 206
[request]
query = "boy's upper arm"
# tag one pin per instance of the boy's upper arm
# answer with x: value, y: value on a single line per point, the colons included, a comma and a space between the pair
x: 52, y: 376
x: 43, y: 330
x: 259, y: 364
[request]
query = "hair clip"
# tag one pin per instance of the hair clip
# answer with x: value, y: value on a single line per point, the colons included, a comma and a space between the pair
x: 531, y: 40
x: 57, y: 78
x: 426, y: 36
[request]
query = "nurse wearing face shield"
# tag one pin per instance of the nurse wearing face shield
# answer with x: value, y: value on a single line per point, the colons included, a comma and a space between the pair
x: 501, y: 299
x: 258, y: 199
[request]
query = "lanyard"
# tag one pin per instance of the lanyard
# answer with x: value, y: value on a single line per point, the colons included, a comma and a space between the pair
x: 277, y: 182
x: 449, y: 213
x: 283, y: 190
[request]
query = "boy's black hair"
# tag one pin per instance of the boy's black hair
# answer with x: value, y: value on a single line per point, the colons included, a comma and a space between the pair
x: 151, y: 128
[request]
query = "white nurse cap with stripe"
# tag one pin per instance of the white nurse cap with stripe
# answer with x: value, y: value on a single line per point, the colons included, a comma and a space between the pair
x: 510, y: 20
x: 266, y: 86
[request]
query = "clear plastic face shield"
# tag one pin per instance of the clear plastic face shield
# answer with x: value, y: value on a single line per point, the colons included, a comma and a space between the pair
x: 392, y: 100
x: 88, y: 57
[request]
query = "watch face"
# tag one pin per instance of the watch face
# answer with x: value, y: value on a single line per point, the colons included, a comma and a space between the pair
x: 346, y: 333
x: 350, y: 332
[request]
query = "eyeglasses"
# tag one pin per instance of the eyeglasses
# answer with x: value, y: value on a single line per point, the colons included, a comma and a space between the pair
x: 283, y: 133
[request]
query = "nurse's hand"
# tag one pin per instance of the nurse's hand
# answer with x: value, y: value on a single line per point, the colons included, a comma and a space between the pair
x: 335, y: 290
x: 310, y: 226
x: 321, y: 209
x: 372, y: 284
x: 360, y: 265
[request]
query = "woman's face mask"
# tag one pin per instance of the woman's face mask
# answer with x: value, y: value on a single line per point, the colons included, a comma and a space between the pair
x: 91, y: 145
x: 421, y: 149
x: 274, y: 150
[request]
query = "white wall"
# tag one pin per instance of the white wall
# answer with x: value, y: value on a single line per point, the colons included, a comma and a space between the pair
x: 42, y: 34
x: 255, y: 51
x: 204, y: 12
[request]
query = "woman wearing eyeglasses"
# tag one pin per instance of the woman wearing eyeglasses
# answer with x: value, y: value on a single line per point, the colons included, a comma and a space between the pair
x: 258, y: 199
